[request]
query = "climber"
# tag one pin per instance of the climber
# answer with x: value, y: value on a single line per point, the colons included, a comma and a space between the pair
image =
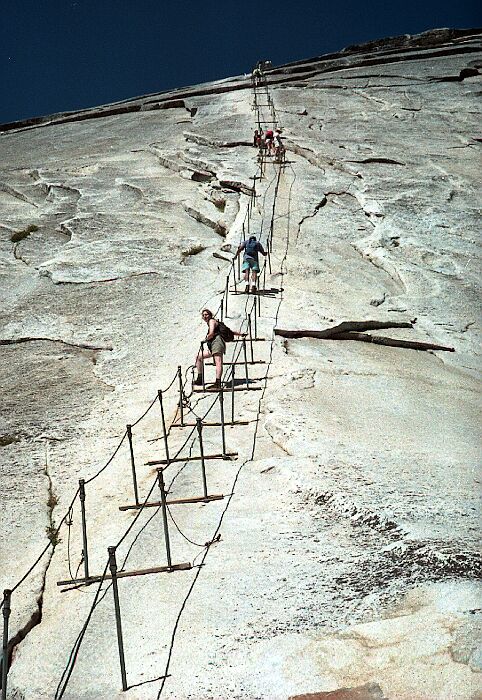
x: 279, y: 148
x: 256, y: 138
x: 268, y: 140
x: 217, y: 335
x: 256, y: 75
x: 250, y: 249
x: 264, y: 65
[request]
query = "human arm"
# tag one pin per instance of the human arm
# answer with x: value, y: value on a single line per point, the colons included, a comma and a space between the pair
x: 262, y: 250
x: 240, y: 248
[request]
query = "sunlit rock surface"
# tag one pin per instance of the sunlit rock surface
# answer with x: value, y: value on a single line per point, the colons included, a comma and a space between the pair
x: 348, y: 558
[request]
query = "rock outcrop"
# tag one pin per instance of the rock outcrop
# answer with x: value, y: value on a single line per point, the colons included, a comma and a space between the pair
x: 344, y: 561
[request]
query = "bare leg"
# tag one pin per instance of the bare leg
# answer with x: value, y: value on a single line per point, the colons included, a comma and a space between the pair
x: 218, y: 361
x: 246, y: 279
x: 199, y: 358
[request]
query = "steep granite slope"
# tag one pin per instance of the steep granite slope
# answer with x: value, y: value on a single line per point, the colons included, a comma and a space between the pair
x: 349, y: 550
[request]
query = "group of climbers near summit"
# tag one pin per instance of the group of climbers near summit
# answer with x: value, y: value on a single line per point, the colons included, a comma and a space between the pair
x: 218, y: 333
x: 269, y: 142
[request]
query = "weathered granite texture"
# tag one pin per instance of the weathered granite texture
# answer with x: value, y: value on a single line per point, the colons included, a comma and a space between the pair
x: 348, y: 558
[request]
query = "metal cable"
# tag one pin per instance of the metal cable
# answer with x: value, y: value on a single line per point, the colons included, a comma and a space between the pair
x: 196, y: 544
x: 74, y: 653
x: 102, y: 469
x: 217, y: 534
x: 64, y: 679
x: 133, y: 425
x: 46, y: 548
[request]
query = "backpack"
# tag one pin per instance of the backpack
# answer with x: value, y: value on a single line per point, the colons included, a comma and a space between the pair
x: 251, y: 248
x: 225, y: 332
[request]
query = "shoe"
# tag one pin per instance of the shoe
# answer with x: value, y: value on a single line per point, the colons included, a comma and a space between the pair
x: 198, y: 381
x: 215, y: 386
x: 246, y: 289
x: 253, y: 290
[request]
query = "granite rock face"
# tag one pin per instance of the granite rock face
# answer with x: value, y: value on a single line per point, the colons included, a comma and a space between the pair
x: 348, y: 559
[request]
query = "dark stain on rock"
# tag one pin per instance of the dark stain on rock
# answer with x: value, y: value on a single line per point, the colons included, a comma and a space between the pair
x: 370, y: 691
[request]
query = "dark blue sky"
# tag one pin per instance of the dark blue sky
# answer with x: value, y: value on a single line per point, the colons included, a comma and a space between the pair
x: 58, y: 55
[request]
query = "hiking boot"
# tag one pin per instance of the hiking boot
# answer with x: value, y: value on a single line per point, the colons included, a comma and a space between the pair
x: 253, y: 289
x: 198, y: 381
x: 215, y: 385
x: 246, y: 289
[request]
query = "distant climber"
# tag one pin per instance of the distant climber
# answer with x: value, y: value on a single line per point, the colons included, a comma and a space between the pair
x: 250, y: 249
x: 258, y: 138
x: 279, y: 148
x: 268, y: 140
x: 217, y: 336
x: 264, y: 65
x: 256, y: 76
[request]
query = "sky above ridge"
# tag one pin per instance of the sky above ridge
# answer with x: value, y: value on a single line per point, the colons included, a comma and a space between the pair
x: 61, y: 55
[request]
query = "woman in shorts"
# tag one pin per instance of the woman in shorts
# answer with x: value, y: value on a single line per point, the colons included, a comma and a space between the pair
x: 216, y: 347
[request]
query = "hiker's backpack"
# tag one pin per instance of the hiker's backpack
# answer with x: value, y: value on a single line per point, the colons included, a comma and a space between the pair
x: 225, y: 332
x: 250, y: 248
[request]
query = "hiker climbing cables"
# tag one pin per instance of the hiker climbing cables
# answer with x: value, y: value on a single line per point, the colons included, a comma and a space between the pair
x: 256, y: 76
x: 269, y: 141
x: 278, y: 145
x: 251, y: 248
x: 217, y: 336
x: 258, y: 138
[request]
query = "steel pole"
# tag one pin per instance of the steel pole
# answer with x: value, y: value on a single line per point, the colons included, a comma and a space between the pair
x: 133, y: 464
x: 115, y: 590
x: 201, y: 450
x: 250, y: 333
x: 201, y: 354
x: 164, y: 431
x: 84, y: 527
x: 181, y: 403
x: 160, y: 475
x: 221, y: 411
x: 245, y: 361
x: 7, y: 595
x: 232, y: 393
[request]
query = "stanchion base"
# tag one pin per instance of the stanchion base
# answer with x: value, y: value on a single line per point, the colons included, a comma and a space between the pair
x: 225, y: 390
x: 211, y: 425
x: 124, y: 574
x: 175, y: 502
x: 261, y: 293
x: 250, y: 362
x: 226, y: 455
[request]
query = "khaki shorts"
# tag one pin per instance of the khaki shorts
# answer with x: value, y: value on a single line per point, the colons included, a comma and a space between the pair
x: 218, y: 346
